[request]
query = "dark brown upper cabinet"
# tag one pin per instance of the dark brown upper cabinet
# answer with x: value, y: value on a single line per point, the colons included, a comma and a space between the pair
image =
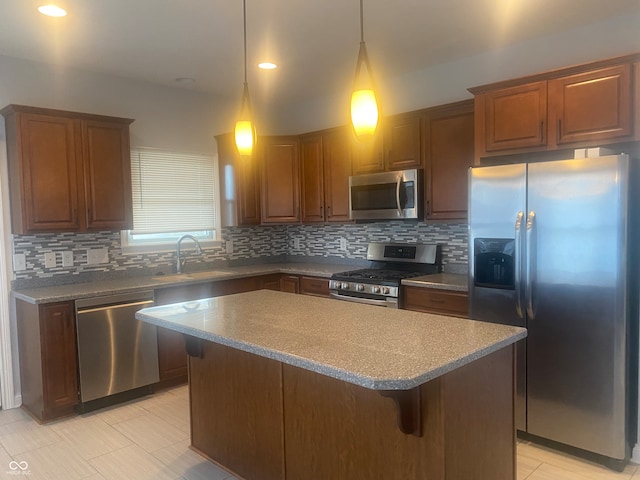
x: 68, y: 171
x: 448, y: 142
x: 246, y: 181
x: 325, y: 162
x: 280, y: 172
x: 580, y: 106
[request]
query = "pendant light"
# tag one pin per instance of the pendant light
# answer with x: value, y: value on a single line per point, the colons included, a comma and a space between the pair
x: 245, y: 131
x: 364, y: 105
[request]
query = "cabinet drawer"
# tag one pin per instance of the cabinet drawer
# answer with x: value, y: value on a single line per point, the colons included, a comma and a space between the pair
x: 314, y: 286
x: 436, y: 301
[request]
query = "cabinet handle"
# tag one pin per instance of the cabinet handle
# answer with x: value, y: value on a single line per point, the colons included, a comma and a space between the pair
x: 541, y: 130
x: 559, y: 128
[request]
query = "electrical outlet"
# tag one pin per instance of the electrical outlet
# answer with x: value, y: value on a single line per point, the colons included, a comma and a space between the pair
x: 67, y: 258
x: 97, y: 256
x: 50, y: 260
x: 343, y: 244
x: 19, y: 262
x: 296, y: 243
x: 229, y: 246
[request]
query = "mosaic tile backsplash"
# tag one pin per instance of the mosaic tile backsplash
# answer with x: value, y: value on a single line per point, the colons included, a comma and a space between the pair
x: 323, y: 243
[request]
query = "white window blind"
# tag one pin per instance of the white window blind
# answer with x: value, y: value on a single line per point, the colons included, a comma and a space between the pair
x: 173, y: 192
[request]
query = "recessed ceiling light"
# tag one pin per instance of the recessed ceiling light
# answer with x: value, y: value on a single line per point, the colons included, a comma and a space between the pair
x: 52, y: 10
x: 185, y: 80
x: 267, y: 65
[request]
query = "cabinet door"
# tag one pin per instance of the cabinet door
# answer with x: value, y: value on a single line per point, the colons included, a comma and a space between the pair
x: 280, y: 180
x: 59, y: 358
x: 592, y: 106
x: 402, y: 141
x: 314, y: 286
x: 245, y: 188
x: 269, y: 282
x: 336, y: 153
x: 172, y: 358
x: 248, y: 189
x: 107, y: 175
x: 513, y: 118
x: 448, y: 156
x: 311, y: 166
x: 290, y: 283
x: 49, y: 174
x: 368, y: 156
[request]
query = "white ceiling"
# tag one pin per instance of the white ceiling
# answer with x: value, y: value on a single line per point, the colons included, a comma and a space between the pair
x: 315, y: 42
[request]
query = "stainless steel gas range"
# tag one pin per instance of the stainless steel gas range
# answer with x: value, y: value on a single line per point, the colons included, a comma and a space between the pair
x: 390, y: 264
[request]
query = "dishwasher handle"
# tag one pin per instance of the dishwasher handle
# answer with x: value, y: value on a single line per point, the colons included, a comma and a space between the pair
x: 142, y: 304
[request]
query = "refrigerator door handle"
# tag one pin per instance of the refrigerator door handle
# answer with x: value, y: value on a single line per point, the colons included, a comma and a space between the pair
x: 518, y: 263
x: 530, y: 264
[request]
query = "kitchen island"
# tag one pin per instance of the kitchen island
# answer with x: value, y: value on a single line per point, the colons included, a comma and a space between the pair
x: 291, y: 387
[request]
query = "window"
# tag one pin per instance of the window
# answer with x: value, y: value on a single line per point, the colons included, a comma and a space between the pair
x: 173, y: 194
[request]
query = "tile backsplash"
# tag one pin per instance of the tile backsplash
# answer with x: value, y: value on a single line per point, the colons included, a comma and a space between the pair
x: 323, y: 243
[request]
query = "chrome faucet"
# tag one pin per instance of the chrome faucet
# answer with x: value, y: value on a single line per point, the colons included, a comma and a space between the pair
x: 180, y: 260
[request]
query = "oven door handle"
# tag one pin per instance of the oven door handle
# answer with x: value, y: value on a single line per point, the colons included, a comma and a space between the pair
x: 366, y: 301
x: 398, y: 183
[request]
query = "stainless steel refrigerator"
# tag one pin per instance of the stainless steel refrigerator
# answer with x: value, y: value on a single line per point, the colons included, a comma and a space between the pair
x: 549, y: 249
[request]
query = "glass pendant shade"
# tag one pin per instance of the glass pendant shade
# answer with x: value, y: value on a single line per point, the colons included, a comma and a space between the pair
x: 364, y: 113
x: 245, y: 131
x: 244, y: 137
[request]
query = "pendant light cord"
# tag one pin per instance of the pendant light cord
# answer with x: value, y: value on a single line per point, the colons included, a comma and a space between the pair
x: 361, y: 24
x: 244, y: 16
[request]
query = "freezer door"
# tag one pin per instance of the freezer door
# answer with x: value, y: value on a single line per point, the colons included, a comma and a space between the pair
x: 575, y: 294
x: 497, y: 202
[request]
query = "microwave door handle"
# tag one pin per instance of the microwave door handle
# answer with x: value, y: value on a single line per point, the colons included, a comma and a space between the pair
x: 518, y: 263
x: 398, y: 183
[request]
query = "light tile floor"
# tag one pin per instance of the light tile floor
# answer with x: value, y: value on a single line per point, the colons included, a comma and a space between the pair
x: 149, y: 439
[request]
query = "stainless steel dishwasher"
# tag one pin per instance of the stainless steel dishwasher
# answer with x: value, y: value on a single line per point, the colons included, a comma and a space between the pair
x: 116, y: 352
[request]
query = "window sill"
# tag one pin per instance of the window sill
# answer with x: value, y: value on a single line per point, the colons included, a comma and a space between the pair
x: 167, y: 247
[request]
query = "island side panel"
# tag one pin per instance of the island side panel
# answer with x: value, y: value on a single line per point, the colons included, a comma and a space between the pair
x: 342, y: 431
x: 479, y: 416
x: 236, y: 411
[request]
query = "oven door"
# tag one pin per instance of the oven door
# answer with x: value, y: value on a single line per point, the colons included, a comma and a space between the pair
x: 390, y: 302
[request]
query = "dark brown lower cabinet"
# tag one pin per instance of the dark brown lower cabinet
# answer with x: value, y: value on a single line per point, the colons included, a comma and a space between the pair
x: 48, y: 359
x: 290, y: 283
x: 314, y: 286
x: 430, y: 300
x: 245, y: 409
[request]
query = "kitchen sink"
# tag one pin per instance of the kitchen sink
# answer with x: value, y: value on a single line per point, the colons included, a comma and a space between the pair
x: 178, y: 277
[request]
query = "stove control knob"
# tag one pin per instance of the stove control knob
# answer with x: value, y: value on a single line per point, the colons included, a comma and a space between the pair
x: 376, y: 290
x: 385, y: 290
x: 345, y: 286
x: 360, y: 287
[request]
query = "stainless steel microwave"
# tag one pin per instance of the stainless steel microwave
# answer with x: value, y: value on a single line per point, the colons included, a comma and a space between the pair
x: 386, y: 196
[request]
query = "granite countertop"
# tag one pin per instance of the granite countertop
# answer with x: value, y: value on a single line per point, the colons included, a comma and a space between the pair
x: 443, y: 281
x: 62, y: 293
x: 376, y: 348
